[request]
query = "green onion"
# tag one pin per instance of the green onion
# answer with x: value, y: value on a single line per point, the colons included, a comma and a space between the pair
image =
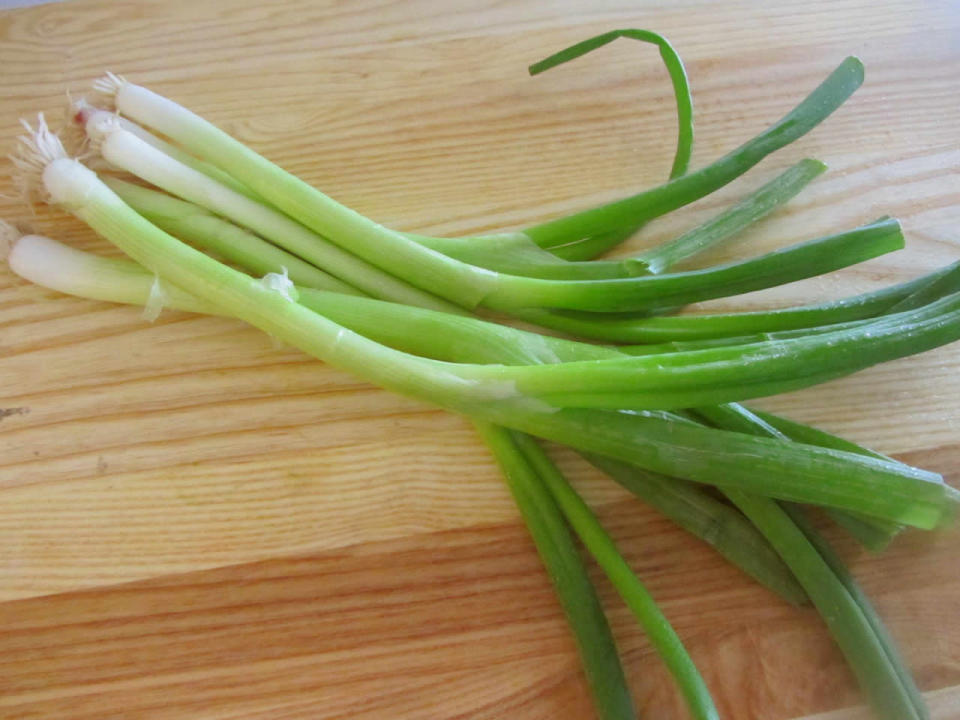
x: 206, y: 230
x: 516, y: 254
x: 629, y: 437
x: 847, y: 612
x: 849, y: 616
x: 801, y: 433
x: 56, y: 265
x: 627, y: 405
x: 759, y: 465
x: 725, y: 374
x: 715, y: 522
x: 644, y: 206
x: 464, y: 284
x: 635, y: 595
x: 944, y: 283
x: 444, y: 337
x: 674, y: 65
x: 872, y: 533
x: 733, y: 220
x: 567, y: 572
x: 590, y: 247
x: 125, y: 150
x: 93, y: 119
x: 496, y: 290
x: 657, y: 292
x: 53, y: 265
x: 907, y: 692
x: 846, y: 620
x: 632, y: 329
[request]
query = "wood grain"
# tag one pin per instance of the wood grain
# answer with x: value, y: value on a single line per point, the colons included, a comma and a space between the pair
x: 197, y: 524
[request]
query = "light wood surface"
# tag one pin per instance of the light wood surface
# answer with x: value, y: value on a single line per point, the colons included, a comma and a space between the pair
x: 196, y: 524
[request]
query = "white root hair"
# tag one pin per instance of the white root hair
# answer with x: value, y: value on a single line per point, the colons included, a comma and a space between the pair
x: 35, y: 150
x: 98, y: 125
x: 77, y: 110
x: 86, y: 125
x: 73, y: 133
x: 108, y: 86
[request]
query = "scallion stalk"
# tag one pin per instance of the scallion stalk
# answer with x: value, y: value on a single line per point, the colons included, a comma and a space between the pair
x: 516, y: 254
x: 873, y: 533
x: 635, y: 595
x: 629, y: 329
x: 735, y: 219
x: 566, y: 570
x: 647, y: 439
x: 907, y: 685
x: 846, y: 611
x: 125, y: 150
x: 208, y: 231
x: 479, y: 285
x: 590, y: 247
x: 845, y: 619
x: 657, y: 292
x: 458, y: 282
x: 627, y: 405
x: 715, y: 522
x: 826, y: 98
x: 675, y: 68
x: 445, y: 337
x: 92, y: 118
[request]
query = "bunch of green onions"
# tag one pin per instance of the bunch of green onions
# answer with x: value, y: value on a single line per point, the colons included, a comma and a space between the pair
x: 656, y: 406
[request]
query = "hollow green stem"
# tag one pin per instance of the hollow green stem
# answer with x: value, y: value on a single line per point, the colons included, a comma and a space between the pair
x: 205, y: 230
x: 857, y: 628
x: 657, y: 292
x: 459, y: 282
x: 874, y: 534
x: 675, y: 68
x: 802, y: 433
x: 895, y: 662
x: 124, y: 150
x: 496, y: 290
x: 647, y: 205
x: 714, y: 522
x: 515, y: 254
x: 732, y: 460
x: 804, y: 474
x: 657, y: 373
x: 544, y: 521
x: 735, y: 219
x: 593, y: 246
x: 440, y: 336
x: 600, y: 545
x: 590, y: 247
x: 728, y: 374
x: 690, y: 328
x: 844, y: 618
x: 942, y: 283
x: 566, y: 570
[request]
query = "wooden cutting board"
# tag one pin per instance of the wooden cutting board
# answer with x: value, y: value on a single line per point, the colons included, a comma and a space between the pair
x: 197, y: 524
